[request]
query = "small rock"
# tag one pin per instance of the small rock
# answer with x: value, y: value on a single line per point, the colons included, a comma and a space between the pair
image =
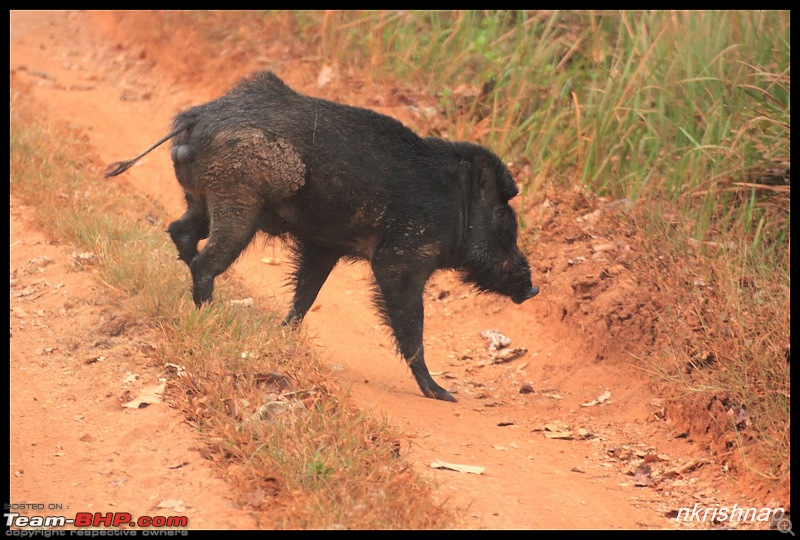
x: 326, y: 74
x: 506, y: 355
x: 472, y: 469
x: 38, y: 262
x: 643, y: 475
x: 82, y: 257
x: 600, y: 399
x: 495, y: 339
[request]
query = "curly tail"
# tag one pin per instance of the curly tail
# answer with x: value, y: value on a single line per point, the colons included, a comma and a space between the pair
x: 119, y: 167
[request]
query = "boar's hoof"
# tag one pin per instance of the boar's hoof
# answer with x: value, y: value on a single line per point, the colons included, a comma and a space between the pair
x: 437, y: 392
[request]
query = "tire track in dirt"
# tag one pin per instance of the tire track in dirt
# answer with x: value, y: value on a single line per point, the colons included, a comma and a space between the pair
x: 529, y: 480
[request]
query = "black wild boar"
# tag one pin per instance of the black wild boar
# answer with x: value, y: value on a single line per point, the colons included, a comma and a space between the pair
x: 341, y: 182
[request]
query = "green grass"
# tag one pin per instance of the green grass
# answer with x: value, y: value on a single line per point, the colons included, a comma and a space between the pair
x: 320, y: 464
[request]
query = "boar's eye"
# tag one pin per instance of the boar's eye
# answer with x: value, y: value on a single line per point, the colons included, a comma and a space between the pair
x: 500, y: 213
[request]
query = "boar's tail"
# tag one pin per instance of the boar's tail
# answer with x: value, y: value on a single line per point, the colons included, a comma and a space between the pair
x: 119, y: 167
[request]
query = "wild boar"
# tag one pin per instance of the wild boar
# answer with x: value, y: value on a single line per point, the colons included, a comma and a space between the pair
x: 340, y: 182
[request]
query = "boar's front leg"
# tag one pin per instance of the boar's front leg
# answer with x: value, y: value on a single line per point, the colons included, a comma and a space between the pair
x: 401, y: 282
x: 313, y: 265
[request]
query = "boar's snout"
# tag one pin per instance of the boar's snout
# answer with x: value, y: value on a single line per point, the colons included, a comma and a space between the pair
x: 511, y: 278
x: 523, y: 289
x: 530, y: 293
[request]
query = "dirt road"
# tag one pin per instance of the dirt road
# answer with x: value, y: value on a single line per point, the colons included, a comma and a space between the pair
x: 81, y: 72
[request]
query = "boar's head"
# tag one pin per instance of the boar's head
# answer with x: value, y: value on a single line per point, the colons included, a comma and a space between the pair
x: 492, y: 260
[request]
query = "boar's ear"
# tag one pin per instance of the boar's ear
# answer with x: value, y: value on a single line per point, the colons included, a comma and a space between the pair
x: 484, y: 175
x: 493, y: 179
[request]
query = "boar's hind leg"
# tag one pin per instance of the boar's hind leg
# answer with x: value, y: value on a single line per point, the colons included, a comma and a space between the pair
x: 313, y: 265
x: 192, y: 227
x: 232, y: 228
x: 401, y: 283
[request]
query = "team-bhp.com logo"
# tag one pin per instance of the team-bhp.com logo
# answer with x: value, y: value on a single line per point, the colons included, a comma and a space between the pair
x: 96, y: 519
